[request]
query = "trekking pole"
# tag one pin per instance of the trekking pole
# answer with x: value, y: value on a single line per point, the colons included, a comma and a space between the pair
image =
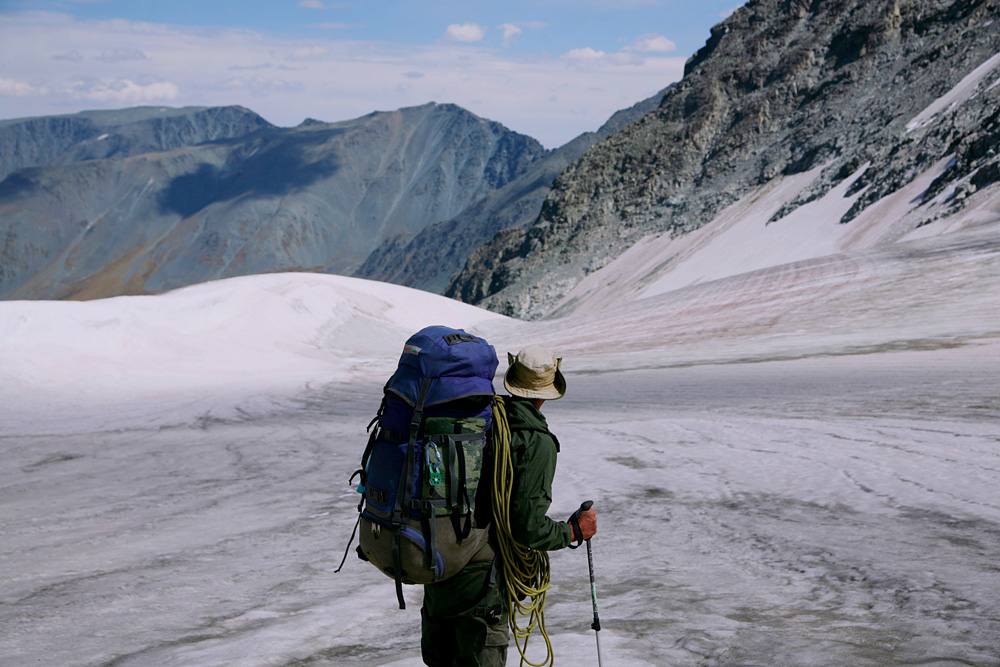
x: 596, y: 625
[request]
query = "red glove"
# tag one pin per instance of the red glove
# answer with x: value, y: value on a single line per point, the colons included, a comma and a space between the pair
x: 588, y: 524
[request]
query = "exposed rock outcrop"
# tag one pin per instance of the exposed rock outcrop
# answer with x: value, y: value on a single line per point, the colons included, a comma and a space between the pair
x: 780, y: 87
x: 431, y: 259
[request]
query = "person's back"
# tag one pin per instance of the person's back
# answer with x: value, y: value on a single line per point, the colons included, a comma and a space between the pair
x: 533, y: 451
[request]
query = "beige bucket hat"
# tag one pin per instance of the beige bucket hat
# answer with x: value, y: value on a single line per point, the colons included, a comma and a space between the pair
x: 534, y: 373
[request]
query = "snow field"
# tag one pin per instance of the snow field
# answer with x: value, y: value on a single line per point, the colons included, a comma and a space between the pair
x: 793, y: 464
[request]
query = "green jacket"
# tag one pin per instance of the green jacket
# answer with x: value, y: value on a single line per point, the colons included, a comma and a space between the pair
x: 533, y: 450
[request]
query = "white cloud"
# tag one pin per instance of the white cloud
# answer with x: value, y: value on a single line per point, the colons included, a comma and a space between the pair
x: 73, y: 55
x: 12, y: 88
x: 124, y: 91
x: 260, y: 85
x: 239, y: 68
x: 121, y: 55
x: 588, y: 58
x: 651, y: 43
x: 644, y: 51
x: 585, y: 54
x: 510, y: 31
x: 308, y: 53
x: 311, y: 4
x: 465, y: 32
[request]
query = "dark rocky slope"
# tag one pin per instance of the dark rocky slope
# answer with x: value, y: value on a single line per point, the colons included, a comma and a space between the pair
x: 431, y: 259
x: 780, y: 87
x: 319, y: 197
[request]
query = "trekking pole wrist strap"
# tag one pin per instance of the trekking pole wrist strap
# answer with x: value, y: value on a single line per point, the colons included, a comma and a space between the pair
x: 577, y: 534
x: 574, y: 524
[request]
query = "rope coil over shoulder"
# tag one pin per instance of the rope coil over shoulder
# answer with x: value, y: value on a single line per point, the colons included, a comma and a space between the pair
x: 525, y: 570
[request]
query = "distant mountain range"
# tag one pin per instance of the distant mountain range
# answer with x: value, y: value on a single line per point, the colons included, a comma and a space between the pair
x: 430, y: 259
x: 92, y: 135
x: 144, y: 200
x: 859, y: 99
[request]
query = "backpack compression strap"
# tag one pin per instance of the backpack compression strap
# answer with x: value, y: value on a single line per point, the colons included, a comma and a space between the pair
x: 404, y: 493
x: 373, y: 429
x: 457, y: 483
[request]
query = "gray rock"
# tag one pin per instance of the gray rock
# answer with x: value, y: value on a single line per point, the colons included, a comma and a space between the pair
x: 780, y: 87
x: 435, y: 255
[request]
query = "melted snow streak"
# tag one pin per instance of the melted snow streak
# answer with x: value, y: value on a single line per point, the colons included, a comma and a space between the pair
x: 797, y: 511
x: 923, y: 294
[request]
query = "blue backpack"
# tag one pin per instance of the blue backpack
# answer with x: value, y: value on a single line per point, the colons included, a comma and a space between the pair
x: 422, y: 467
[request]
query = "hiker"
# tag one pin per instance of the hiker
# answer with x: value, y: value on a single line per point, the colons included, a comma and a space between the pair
x: 464, y: 619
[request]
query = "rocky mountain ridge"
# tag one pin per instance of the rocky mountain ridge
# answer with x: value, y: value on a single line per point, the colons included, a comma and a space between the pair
x: 780, y: 88
x: 92, y: 135
x: 431, y: 258
x: 318, y: 197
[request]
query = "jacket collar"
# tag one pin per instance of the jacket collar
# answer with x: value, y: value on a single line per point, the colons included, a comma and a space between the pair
x: 522, y: 415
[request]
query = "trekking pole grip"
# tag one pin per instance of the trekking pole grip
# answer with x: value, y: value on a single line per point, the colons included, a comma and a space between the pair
x: 574, y: 523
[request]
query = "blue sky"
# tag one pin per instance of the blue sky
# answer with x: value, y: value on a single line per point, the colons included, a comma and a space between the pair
x: 548, y: 68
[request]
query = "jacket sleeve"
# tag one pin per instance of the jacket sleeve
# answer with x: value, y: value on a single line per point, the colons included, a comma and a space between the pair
x: 535, y: 466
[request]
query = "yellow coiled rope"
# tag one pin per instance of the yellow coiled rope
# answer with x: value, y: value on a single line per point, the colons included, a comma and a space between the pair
x: 525, y: 571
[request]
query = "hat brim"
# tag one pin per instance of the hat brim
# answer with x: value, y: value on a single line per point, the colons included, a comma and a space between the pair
x: 550, y: 392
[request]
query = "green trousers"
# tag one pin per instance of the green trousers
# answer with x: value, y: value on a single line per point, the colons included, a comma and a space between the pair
x: 464, y: 620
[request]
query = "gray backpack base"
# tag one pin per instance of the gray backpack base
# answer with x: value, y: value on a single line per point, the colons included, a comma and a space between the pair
x: 452, y: 553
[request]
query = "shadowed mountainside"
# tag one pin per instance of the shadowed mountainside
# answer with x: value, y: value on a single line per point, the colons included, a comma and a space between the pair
x: 319, y: 197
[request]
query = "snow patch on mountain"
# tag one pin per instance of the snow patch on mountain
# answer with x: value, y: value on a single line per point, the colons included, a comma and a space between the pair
x: 962, y: 92
x: 741, y: 239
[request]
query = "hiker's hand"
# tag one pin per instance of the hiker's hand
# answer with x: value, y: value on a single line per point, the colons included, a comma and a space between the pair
x: 584, y: 525
x: 588, y: 524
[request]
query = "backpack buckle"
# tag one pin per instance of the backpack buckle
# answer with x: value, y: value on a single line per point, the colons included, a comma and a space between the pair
x: 433, y: 465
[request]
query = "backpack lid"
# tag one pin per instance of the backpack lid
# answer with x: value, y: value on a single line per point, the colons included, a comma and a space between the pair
x: 458, y: 364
